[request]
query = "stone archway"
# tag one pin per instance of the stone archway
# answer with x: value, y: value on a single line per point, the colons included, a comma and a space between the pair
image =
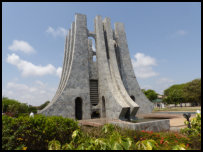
x: 78, y: 108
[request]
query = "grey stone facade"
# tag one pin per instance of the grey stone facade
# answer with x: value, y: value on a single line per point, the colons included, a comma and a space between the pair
x: 104, y: 88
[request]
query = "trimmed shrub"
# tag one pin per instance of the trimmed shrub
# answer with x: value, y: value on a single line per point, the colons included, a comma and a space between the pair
x: 35, y: 133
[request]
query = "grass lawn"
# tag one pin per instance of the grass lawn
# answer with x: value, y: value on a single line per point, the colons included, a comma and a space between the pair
x: 192, y: 109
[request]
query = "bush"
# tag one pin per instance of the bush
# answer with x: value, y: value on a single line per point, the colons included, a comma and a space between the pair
x: 13, y: 107
x: 32, y: 109
x: 113, y: 141
x: 194, y: 133
x: 35, y: 133
x: 42, y: 106
x: 165, y: 140
x: 6, y: 102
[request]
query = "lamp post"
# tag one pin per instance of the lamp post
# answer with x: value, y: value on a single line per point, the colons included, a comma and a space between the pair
x: 187, y: 117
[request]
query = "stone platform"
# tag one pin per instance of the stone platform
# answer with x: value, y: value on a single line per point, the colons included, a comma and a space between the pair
x: 172, y: 122
x: 152, y: 125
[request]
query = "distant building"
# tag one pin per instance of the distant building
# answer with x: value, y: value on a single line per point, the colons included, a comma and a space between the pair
x: 158, y: 103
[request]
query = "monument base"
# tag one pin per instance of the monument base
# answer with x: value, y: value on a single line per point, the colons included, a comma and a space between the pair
x: 151, y: 125
x: 154, y: 125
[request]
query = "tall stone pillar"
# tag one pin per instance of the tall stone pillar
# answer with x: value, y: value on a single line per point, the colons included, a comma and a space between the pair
x: 104, y: 88
x: 127, y: 72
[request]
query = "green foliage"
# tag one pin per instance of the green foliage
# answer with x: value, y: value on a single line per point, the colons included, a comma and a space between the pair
x: 8, y: 137
x: 182, y: 93
x: 54, y: 145
x: 76, y: 135
x: 108, y: 128
x: 174, y: 94
x: 164, y: 140
x: 118, y: 142
x: 115, y: 141
x: 35, y: 133
x: 195, y: 126
x: 179, y: 147
x: 57, y: 133
x: 14, y: 107
x: 192, y: 91
x: 146, y: 145
x: 173, y: 88
x: 6, y: 102
x: 150, y: 94
x: 194, y: 133
x: 32, y: 109
x: 18, y: 108
x: 42, y: 106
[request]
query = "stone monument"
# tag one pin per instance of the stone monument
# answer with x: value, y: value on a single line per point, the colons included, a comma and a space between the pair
x: 105, y: 88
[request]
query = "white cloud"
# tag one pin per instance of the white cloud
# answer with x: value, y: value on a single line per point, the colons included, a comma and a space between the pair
x: 164, y: 80
x: 40, y: 83
x: 58, y: 72
x: 31, y: 94
x: 159, y: 84
x: 146, y: 87
x: 29, y: 69
x: 143, y: 60
x: 163, y: 83
x: 181, y: 32
x: 11, y: 85
x: 21, y: 46
x: 60, y: 31
x: 143, y: 66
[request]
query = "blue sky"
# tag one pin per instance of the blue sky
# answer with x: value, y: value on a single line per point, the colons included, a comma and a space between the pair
x: 163, y: 40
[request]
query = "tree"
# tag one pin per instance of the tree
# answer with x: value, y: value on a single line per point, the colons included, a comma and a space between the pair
x: 14, y: 106
x: 6, y: 102
x: 176, y: 97
x: 150, y: 94
x: 32, y: 109
x: 192, y: 91
x: 174, y: 94
x: 42, y: 106
x: 18, y: 108
x: 183, y: 93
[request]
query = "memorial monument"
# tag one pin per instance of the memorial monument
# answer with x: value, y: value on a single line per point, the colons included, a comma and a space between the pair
x: 105, y: 88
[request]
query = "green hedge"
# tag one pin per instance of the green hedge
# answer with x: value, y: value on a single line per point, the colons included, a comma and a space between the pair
x: 35, y: 133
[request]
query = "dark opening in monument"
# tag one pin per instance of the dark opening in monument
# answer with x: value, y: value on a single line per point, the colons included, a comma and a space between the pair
x: 94, y: 58
x: 95, y: 114
x: 118, y: 59
x: 133, y: 98
x: 127, y: 114
x: 103, y: 107
x: 78, y: 108
x: 106, y: 45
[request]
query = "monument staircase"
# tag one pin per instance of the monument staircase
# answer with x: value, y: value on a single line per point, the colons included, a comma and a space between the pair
x: 94, y: 96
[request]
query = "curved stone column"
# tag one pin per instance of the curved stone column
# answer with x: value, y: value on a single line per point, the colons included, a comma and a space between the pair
x: 127, y: 72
